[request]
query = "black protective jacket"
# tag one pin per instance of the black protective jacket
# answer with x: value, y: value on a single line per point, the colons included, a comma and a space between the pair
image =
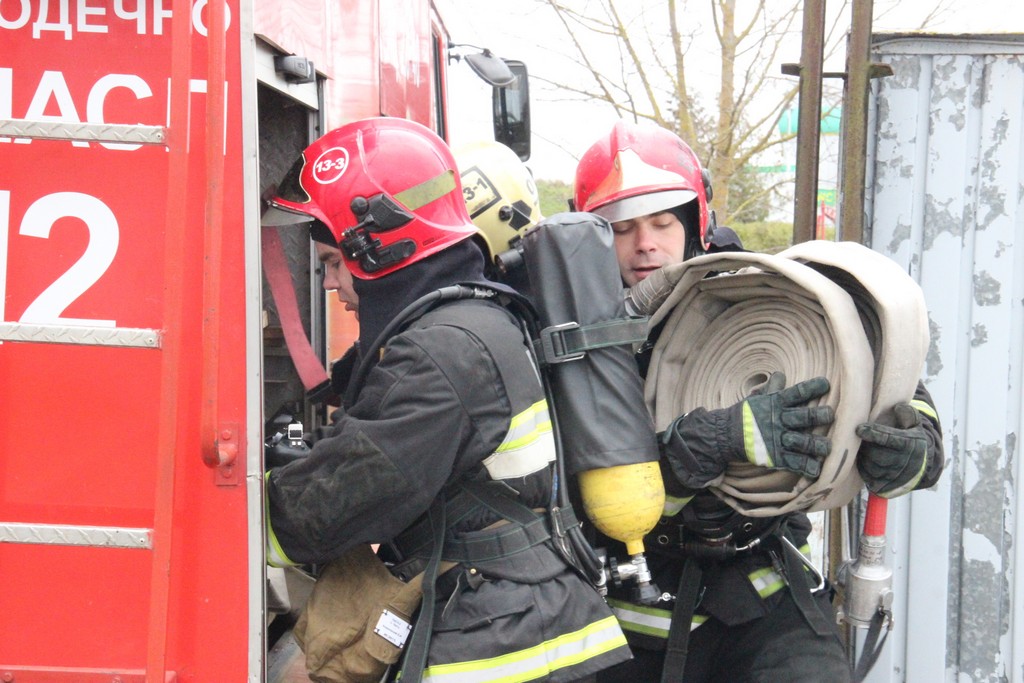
x: 454, y: 398
x: 737, y: 588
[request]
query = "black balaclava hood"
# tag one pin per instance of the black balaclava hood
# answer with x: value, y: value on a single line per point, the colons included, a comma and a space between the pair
x: 382, y: 299
x: 689, y: 215
x: 725, y: 239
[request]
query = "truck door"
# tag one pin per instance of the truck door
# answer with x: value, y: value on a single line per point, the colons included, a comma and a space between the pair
x: 124, y: 348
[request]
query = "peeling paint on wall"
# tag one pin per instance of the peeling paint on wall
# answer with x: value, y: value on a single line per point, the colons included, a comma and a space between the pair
x: 979, y: 335
x: 981, y: 626
x: 986, y: 289
x: 947, y: 87
x: 984, y: 499
x: 947, y: 176
x: 992, y: 194
x: 954, y: 619
x: 987, y: 553
x: 906, y: 72
x: 899, y: 235
x: 994, y: 201
x: 939, y: 219
x: 933, y: 361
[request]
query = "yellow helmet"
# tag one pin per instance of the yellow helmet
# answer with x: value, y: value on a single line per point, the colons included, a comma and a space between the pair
x: 500, y: 193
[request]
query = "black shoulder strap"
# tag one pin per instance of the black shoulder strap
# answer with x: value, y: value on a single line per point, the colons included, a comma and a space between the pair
x: 419, y: 643
x: 678, y: 646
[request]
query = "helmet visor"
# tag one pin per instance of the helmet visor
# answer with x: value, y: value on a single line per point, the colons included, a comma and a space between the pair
x: 291, y: 189
x: 290, y: 198
x: 643, y: 205
x: 275, y: 214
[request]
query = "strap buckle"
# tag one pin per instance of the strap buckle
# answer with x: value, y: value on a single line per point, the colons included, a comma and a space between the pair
x: 571, y: 341
x: 553, y: 347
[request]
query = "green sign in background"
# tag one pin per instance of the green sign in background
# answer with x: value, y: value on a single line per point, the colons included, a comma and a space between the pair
x: 830, y: 120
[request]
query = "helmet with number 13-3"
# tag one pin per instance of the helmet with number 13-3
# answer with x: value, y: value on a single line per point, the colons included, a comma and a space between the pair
x: 386, y: 189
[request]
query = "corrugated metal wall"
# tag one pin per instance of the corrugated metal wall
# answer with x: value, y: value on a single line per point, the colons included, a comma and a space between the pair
x: 946, y: 180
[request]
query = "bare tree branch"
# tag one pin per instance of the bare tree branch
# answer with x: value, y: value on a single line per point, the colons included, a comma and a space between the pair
x: 732, y: 128
x: 561, y: 12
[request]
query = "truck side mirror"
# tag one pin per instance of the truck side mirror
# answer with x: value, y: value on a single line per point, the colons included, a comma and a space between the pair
x: 491, y: 68
x: 512, y: 111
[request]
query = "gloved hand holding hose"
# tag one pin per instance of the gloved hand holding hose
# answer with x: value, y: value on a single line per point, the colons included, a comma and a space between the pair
x: 772, y: 428
x: 892, y: 460
x: 776, y: 430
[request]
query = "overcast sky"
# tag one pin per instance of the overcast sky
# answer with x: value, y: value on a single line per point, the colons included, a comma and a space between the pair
x: 562, y: 131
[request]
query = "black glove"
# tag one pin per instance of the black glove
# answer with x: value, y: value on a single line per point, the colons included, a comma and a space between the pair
x: 280, y: 450
x: 699, y: 444
x: 773, y: 429
x: 892, y: 460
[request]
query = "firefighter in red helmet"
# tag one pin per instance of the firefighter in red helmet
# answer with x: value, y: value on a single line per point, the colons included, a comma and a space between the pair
x: 444, y: 452
x: 651, y: 187
x: 747, y: 609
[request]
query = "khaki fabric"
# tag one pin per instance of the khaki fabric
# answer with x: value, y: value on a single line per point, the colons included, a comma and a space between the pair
x: 336, y: 628
x: 837, y: 310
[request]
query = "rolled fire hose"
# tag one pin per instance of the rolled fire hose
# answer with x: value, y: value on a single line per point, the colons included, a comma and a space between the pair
x: 837, y: 310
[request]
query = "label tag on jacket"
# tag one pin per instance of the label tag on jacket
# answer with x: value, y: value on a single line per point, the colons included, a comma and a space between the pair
x: 393, y: 628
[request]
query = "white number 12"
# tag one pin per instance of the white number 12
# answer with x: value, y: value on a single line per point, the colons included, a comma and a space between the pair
x: 83, y: 274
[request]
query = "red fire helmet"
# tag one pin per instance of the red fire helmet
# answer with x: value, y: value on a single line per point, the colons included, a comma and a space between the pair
x: 636, y: 170
x: 387, y: 189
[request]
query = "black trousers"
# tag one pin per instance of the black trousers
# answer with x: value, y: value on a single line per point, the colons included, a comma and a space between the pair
x: 777, y: 648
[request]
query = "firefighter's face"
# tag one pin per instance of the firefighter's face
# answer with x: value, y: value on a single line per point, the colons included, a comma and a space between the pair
x: 337, y: 277
x: 647, y: 243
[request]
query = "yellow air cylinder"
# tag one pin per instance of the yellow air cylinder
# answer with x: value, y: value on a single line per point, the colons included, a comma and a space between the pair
x: 624, y: 502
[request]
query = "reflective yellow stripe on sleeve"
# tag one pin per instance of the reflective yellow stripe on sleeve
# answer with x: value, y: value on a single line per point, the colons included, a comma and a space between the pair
x: 753, y: 441
x: 923, y: 408
x: 535, y: 662
x: 528, y: 447
x: 276, y: 556
x: 674, y: 505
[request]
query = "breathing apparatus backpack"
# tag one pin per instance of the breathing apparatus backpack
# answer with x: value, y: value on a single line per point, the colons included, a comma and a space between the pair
x: 595, y: 393
x: 582, y: 340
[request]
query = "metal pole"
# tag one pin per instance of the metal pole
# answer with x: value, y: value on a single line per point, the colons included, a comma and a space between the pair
x: 855, y: 122
x: 809, y: 121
